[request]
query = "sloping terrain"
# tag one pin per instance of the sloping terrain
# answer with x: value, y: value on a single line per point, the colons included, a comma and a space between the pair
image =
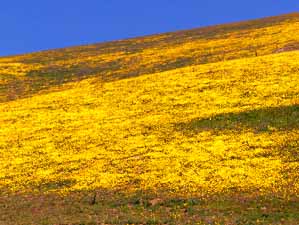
x: 215, y: 143
x: 24, y: 75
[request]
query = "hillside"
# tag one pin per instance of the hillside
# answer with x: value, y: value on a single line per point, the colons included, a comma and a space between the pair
x: 197, y: 126
x: 25, y: 75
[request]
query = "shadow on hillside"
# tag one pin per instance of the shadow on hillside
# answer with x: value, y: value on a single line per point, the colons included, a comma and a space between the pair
x: 266, y: 120
x: 260, y: 120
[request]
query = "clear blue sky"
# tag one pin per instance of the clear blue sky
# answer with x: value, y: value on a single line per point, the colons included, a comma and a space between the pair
x: 32, y: 25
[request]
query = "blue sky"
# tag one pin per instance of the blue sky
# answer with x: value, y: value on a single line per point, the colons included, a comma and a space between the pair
x: 33, y: 25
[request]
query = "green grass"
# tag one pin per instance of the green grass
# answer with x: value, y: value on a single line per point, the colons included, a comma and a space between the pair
x: 147, y: 208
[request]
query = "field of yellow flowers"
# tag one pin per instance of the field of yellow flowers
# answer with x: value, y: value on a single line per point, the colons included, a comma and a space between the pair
x: 25, y: 75
x: 209, y: 144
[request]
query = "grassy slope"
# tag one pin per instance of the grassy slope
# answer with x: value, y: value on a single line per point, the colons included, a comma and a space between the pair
x: 24, y: 75
x: 208, y: 143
